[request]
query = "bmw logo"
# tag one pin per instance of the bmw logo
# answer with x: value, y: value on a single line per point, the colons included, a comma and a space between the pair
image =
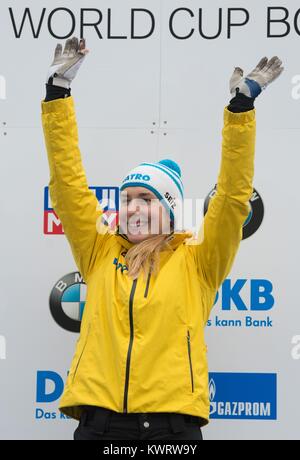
x: 256, y: 214
x: 67, y: 301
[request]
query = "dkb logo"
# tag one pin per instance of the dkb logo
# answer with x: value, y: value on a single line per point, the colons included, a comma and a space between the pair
x: 49, y: 386
x: 260, y: 297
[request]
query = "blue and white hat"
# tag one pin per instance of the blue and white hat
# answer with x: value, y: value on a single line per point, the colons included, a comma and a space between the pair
x: 163, y: 179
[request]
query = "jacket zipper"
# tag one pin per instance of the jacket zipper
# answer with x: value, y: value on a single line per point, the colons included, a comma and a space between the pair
x: 147, y: 285
x: 190, y: 358
x: 131, y: 297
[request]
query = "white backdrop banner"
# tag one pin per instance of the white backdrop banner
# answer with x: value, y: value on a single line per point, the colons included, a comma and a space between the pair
x: 153, y: 86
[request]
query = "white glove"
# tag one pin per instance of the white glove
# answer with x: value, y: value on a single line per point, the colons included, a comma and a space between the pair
x: 264, y: 73
x: 65, y: 65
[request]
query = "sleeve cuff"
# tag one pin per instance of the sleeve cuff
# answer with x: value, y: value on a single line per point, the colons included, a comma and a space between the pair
x: 238, y: 117
x: 63, y: 106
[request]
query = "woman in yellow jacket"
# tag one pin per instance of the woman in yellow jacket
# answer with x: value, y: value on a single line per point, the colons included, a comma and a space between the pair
x: 140, y: 366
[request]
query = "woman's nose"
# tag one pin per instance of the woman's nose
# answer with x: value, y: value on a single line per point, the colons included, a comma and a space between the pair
x: 135, y: 206
x: 132, y: 207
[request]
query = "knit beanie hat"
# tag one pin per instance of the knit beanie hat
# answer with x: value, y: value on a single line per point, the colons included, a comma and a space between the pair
x: 163, y: 179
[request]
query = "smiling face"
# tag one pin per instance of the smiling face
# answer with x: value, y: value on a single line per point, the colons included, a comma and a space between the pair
x: 142, y: 215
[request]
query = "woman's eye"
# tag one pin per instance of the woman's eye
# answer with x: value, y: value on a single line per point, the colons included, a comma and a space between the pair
x: 126, y: 202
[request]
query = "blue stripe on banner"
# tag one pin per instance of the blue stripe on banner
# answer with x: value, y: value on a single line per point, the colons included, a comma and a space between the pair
x: 149, y: 187
x: 179, y: 186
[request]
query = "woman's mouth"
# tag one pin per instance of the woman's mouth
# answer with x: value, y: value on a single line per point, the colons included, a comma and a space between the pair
x: 138, y: 224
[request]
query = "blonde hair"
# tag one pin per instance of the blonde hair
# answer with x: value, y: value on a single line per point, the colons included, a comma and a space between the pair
x: 145, y: 256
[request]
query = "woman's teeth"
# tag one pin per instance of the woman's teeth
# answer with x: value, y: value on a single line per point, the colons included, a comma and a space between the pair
x: 136, y: 224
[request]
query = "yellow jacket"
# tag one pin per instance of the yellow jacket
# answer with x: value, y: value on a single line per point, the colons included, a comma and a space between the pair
x: 141, y: 347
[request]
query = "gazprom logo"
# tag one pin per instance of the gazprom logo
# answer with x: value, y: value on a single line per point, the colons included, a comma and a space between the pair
x: 243, y: 396
x: 137, y: 176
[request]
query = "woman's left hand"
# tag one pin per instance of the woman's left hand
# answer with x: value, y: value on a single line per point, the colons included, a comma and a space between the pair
x: 264, y: 73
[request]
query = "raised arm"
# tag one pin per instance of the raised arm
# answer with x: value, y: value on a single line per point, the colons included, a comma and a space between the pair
x: 221, y: 231
x: 74, y: 203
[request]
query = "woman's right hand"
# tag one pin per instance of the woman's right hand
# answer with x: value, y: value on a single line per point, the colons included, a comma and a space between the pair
x: 66, y: 64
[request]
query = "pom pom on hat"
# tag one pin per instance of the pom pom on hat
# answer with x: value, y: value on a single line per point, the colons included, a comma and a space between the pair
x: 171, y: 165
